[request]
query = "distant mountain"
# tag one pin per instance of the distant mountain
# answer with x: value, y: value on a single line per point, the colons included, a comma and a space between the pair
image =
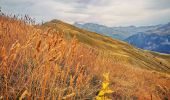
x: 101, y: 29
x: 161, y: 30
x: 154, y: 40
x: 120, y: 33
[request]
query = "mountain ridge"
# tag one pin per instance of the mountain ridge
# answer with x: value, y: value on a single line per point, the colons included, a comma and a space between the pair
x: 120, y: 33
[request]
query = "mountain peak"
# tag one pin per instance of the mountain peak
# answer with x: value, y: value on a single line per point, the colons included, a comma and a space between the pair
x: 56, y: 21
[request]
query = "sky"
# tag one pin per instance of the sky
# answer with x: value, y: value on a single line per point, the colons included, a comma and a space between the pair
x: 105, y: 12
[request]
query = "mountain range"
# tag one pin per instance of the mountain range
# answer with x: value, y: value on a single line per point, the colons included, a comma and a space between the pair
x: 154, y: 38
x: 120, y: 33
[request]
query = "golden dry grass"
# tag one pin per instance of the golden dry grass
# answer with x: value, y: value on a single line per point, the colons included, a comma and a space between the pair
x: 38, y: 62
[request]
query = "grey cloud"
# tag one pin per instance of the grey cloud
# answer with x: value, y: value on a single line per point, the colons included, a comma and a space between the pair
x: 159, y: 4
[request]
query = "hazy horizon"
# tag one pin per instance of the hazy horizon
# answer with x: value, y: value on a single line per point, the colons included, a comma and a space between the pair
x: 111, y: 13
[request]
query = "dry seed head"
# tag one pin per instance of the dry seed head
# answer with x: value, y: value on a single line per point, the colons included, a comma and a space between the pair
x: 3, y: 53
x: 24, y: 94
x: 15, y: 47
x: 38, y: 46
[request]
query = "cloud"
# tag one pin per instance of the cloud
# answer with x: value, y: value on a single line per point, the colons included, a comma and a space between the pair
x: 107, y: 12
x: 159, y: 5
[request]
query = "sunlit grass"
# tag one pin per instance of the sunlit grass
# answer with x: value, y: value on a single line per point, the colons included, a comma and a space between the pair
x: 60, y: 61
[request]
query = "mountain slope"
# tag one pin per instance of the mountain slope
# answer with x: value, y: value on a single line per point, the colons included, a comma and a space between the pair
x: 134, y: 73
x: 116, y: 49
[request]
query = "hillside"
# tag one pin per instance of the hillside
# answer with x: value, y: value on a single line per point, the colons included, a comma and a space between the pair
x: 133, y: 71
x: 59, y: 61
x: 115, y: 48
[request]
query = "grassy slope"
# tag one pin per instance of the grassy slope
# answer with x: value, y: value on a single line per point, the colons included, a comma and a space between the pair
x: 116, y: 49
x: 129, y: 76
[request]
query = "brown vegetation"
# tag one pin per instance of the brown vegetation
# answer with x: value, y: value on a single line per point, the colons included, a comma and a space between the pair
x: 42, y: 63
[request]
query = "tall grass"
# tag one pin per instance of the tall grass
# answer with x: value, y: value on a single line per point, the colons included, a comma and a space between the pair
x: 41, y: 64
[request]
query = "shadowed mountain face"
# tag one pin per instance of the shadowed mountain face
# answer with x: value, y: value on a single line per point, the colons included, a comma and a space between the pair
x: 154, y: 40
